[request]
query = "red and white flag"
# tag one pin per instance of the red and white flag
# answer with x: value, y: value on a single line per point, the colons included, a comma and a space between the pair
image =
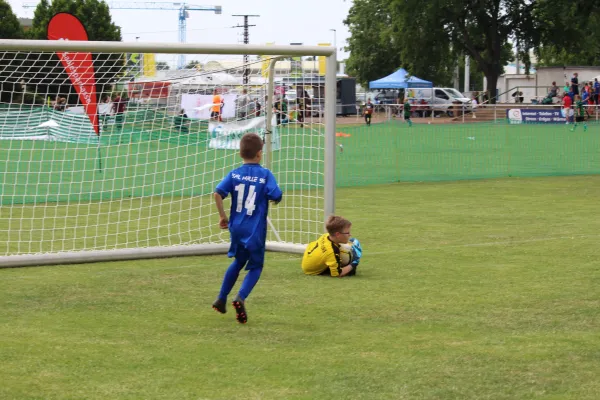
x: 79, y: 66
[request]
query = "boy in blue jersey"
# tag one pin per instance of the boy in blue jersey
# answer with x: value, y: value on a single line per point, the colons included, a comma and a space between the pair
x: 251, y: 187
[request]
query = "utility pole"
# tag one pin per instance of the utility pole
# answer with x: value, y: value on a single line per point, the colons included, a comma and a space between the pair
x: 246, y: 72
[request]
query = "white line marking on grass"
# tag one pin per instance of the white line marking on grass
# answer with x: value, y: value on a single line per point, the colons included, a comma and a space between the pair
x: 509, y: 242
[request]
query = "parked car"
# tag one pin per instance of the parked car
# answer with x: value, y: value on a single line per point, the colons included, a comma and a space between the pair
x: 440, y: 99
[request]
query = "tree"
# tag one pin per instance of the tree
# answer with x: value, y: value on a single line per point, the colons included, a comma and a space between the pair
x: 162, y: 66
x: 10, y: 28
x: 484, y: 29
x: 428, y: 37
x: 47, y: 71
x: 572, y: 36
x: 93, y: 14
x: 425, y: 52
x: 373, y: 50
x: 192, y: 64
x: 41, y: 16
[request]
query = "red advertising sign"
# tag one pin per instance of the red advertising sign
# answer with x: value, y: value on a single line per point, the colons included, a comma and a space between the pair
x: 154, y: 90
x: 79, y: 66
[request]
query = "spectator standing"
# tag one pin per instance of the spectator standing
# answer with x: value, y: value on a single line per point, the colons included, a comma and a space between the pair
x: 217, y: 105
x: 369, y: 107
x: 104, y: 109
x: 118, y: 109
x: 407, y: 112
x: 567, y: 111
x: 278, y: 106
x: 284, y: 111
x: 474, y: 106
x: 301, y: 109
x: 485, y: 97
x: 257, y: 107
x: 585, y: 98
x: 575, y: 83
x: 592, y: 92
x: 242, y: 104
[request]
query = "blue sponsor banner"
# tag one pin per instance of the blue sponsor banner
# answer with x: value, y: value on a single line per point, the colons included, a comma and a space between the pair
x: 528, y: 115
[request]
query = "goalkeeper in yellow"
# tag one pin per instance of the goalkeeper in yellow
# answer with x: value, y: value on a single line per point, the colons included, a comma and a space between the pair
x: 322, y: 257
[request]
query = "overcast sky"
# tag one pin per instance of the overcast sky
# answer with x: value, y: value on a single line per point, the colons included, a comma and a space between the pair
x: 283, y: 22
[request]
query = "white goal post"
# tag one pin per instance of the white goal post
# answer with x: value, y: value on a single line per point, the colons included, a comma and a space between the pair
x: 137, y: 184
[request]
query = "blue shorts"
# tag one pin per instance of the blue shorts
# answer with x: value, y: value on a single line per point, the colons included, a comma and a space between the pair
x: 254, y: 258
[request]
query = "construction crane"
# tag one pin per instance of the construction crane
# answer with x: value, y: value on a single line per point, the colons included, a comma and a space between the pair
x: 182, y: 7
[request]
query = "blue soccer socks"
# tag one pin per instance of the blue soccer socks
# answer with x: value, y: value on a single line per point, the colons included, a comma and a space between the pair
x: 231, y: 276
x: 249, y: 282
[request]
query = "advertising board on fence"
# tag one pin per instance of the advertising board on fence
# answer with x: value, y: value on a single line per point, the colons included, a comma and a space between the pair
x: 227, y: 135
x: 519, y: 116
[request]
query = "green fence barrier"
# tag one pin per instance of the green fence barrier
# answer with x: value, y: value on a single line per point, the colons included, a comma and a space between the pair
x: 393, y: 152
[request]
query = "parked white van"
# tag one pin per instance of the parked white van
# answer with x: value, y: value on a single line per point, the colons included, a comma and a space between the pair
x: 440, y: 99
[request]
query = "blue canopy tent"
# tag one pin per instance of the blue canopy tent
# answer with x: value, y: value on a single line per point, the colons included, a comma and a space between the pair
x: 400, y: 80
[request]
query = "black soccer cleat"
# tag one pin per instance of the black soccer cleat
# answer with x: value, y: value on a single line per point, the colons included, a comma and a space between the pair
x: 240, y: 310
x: 219, y: 305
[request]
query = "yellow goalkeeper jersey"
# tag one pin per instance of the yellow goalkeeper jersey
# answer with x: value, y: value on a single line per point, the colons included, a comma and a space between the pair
x: 320, y: 255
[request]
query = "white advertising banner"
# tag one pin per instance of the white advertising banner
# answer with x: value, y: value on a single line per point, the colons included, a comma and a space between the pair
x: 515, y: 116
x: 227, y: 135
x: 198, y: 106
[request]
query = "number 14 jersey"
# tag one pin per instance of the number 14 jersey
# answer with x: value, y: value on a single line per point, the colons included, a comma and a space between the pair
x: 251, y: 187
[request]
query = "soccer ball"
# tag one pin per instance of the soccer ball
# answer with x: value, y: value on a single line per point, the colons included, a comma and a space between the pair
x: 346, y: 256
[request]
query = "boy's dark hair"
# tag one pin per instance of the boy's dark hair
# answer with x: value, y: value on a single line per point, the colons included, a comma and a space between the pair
x: 336, y: 224
x: 250, y: 145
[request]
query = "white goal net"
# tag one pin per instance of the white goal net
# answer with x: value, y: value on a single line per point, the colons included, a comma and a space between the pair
x: 114, y: 153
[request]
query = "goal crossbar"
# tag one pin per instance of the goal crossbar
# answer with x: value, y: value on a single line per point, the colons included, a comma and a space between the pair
x: 164, y: 48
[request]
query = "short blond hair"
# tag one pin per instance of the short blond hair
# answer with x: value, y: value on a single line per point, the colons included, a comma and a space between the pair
x: 336, y: 223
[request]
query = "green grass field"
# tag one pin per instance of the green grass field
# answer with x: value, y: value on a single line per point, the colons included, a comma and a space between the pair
x: 484, y: 289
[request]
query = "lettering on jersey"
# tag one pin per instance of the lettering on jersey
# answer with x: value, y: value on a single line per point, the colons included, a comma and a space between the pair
x: 248, y: 178
x: 323, y: 246
x: 252, y: 179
